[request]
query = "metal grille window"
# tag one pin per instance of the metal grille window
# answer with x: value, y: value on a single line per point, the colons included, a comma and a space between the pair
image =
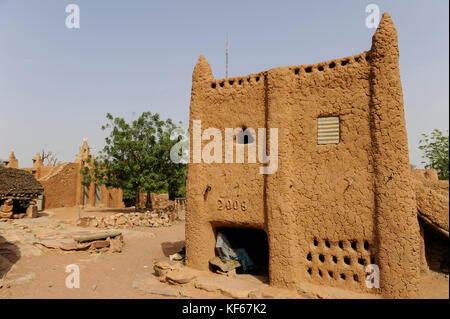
x: 328, y: 130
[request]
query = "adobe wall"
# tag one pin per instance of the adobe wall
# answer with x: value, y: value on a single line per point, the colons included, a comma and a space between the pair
x: 40, y: 172
x: 111, y: 198
x: 159, y: 201
x: 329, y: 210
x: 230, y: 106
x: 62, y: 183
x: 60, y: 186
x: 432, y: 198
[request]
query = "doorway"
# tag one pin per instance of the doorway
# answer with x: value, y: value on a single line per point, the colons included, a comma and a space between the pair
x: 252, y: 242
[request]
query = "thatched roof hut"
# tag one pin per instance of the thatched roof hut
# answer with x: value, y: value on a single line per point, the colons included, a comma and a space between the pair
x: 16, y: 183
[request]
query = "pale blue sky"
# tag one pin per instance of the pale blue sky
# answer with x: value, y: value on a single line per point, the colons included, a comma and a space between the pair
x: 56, y: 84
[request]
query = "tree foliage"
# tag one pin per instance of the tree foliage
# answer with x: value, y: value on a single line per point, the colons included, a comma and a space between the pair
x: 136, y: 158
x: 436, y: 152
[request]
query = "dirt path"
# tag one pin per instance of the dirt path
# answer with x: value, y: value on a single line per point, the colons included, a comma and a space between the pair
x: 102, y: 275
x: 40, y: 273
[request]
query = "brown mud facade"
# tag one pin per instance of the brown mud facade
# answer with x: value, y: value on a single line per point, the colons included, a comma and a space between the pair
x: 331, y: 208
x: 62, y: 183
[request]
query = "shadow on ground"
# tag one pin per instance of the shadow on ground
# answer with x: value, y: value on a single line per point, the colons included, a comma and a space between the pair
x: 170, y: 248
x: 9, y: 255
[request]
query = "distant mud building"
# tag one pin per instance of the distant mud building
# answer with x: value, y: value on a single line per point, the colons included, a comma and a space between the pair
x: 62, y: 184
x: 344, y: 195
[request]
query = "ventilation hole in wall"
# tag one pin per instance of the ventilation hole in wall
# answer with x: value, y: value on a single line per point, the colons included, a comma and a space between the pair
x: 248, y: 80
x: 320, y: 68
x: 321, y: 258
x: 327, y: 243
x: 340, y: 244
x: 332, y: 65
x: 367, y: 57
x: 240, y: 82
x: 231, y: 82
x: 361, y: 261
x: 309, y: 271
x: 366, y: 245
x: 343, y: 276
x: 347, y: 260
x: 308, y: 69
x: 372, y: 260
x: 296, y: 71
x: 353, y: 244
x: 257, y: 78
x: 344, y: 63
x: 330, y: 273
x: 320, y: 273
x: 335, y: 259
x: 357, y: 59
x: 309, y: 257
x: 213, y: 85
x: 222, y: 84
x: 315, y: 242
x: 355, y: 277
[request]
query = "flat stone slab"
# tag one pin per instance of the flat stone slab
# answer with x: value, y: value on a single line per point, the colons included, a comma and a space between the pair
x: 227, y: 286
x: 149, y: 284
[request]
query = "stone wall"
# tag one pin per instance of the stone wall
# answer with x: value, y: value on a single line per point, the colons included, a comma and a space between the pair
x: 156, y: 218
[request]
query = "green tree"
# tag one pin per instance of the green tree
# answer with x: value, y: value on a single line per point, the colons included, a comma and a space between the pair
x: 136, y: 158
x: 435, y: 148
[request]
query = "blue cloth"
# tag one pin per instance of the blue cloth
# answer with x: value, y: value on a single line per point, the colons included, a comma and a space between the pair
x: 244, y: 258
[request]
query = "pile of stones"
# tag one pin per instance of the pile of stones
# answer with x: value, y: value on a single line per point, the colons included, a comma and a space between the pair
x: 156, y: 218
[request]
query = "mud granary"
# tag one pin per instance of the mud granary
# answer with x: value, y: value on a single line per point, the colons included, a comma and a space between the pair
x: 19, y: 191
x: 343, y: 196
x: 62, y: 183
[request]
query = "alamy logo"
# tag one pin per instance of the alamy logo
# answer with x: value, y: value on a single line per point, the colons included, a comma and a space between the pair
x: 255, y: 140
x: 372, y: 276
x: 373, y: 19
x: 73, y: 19
x: 73, y: 279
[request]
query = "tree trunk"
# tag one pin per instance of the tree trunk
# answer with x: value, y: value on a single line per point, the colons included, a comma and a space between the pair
x: 148, y: 204
x: 137, y: 203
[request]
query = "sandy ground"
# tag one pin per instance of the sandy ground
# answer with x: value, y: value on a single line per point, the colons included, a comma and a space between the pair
x: 122, y: 275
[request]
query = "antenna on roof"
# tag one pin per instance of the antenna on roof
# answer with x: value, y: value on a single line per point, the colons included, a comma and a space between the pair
x: 226, y: 57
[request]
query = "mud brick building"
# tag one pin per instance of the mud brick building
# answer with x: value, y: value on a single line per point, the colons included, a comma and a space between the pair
x: 62, y: 184
x: 343, y: 196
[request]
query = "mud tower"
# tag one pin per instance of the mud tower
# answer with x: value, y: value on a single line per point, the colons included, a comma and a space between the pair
x: 342, y: 197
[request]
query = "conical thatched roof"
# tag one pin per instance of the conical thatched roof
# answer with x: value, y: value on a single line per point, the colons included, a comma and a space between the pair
x: 18, y: 183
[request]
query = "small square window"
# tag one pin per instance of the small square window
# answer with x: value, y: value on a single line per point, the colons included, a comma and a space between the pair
x: 328, y: 130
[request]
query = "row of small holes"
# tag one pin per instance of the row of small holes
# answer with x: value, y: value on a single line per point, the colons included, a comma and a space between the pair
x: 347, y: 259
x: 341, y: 244
x: 231, y: 82
x: 296, y: 71
x: 331, y: 275
x: 321, y: 68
